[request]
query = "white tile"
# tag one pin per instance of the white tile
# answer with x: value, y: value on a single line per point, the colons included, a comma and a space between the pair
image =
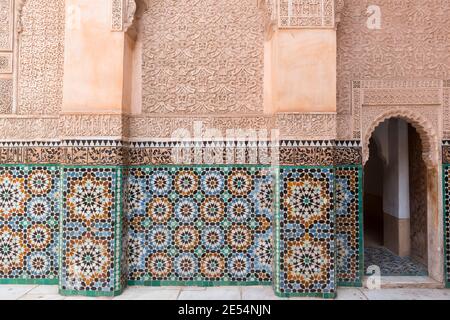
x: 42, y: 297
x: 193, y: 288
x: 407, y: 294
x: 149, y: 293
x: 350, y: 294
x: 306, y: 298
x: 259, y: 293
x: 212, y: 293
x: 44, y: 290
x: 86, y: 298
x: 14, y: 292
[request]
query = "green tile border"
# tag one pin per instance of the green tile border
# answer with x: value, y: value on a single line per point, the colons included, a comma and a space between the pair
x: 359, y: 282
x: 30, y: 281
x: 445, y: 168
x: 307, y: 295
x: 200, y: 284
x: 90, y: 293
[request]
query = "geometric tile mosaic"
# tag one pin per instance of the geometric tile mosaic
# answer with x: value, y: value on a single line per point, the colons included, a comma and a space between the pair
x: 392, y: 265
x: 349, y: 246
x: 446, y: 186
x: 29, y: 224
x: 91, y: 243
x: 305, y: 232
x: 202, y: 225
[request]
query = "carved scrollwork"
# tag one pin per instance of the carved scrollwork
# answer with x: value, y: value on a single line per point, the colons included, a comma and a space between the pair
x: 270, y: 9
x: 338, y: 9
x: 125, y: 13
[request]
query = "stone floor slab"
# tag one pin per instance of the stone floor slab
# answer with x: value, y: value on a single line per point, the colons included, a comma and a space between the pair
x: 407, y: 294
x: 14, y: 292
x: 350, y: 294
x: 259, y: 293
x: 213, y: 293
x: 149, y: 293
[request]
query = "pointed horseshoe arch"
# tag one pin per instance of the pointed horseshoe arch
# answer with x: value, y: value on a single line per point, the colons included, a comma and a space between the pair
x: 427, y: 133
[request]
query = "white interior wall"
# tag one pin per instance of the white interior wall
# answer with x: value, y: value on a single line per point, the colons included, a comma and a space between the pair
x: 393, y: 137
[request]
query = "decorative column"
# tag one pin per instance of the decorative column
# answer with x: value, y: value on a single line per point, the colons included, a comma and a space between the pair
x: 349, y: 213
x: 92, y: 127
x: 301, y: 62
x: 446, y: 205
x: 92, y: 227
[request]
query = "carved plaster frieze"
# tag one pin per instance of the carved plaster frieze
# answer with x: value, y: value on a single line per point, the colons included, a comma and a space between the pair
x: 306, y: 14
x: 6, y: 25
x: 162, y: 128
x: 28, y: 128
x: 304, y: 126
x: 6, y: 92
x: 6, y: 62
x: 41, y: 55
x: 74, y: 126
x: 446, y: 154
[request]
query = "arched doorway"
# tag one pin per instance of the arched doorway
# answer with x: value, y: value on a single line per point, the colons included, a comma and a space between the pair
x: 402, y: 214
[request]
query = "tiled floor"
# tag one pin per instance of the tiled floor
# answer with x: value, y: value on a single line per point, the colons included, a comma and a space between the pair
x: 392, y: 265
x: 32, y: 292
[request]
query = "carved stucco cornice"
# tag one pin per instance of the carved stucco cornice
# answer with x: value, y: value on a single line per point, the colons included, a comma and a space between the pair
x: 124, y: 14
x: 291, y: 126
x: 339, y: 7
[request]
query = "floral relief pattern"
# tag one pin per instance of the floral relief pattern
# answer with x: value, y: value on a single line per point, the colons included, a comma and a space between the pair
x: 203, y: 57
x: 29, y: 232
x: 214, y: 225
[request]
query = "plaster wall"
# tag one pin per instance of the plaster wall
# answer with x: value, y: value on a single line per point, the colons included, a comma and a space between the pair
x: 303, y: 70
x: 94, y: 59
x: 396, y: 172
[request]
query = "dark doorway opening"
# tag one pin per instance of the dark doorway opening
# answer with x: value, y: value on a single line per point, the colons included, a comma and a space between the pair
x: 395, y: 201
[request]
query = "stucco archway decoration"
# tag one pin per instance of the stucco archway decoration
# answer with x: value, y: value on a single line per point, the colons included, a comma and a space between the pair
x: 19, y: 9
x: 124, y: 14
x: 427, y: 133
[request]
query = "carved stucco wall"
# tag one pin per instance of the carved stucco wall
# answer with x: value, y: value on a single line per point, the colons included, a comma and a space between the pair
x: 203, y: 57
x: 6, y: 47
x: 418, y: 198
x: 413, y: 43
x: 41, y: 57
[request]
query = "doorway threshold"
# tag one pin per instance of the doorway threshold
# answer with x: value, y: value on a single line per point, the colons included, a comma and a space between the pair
x: 398, y: 282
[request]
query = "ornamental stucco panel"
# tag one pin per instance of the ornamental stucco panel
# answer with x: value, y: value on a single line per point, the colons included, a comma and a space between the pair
x: 306, y: 13
x: 41, y: 56
x: 6, y: 25
x: 412, y: 43
x: 5, y: 95
x: 202, y: 57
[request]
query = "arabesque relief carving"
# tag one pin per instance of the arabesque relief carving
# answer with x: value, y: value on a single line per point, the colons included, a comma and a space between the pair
x: 203, y: 57
x: 412, y: 44
x: 6, y: 87
x: 6, y: 25
x: 41, y: 56
x: 306, y: 13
